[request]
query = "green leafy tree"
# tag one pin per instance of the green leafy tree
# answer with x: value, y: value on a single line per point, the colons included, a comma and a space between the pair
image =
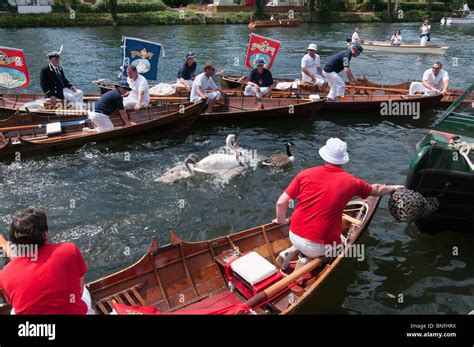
x: 259, y: 12
x: 112, y: 5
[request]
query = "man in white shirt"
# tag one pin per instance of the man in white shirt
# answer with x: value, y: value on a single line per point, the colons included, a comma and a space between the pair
x: 204, y: 88
x: 139, y: 96
x: 311, y: 71
x: 466, y: 8
x: 356, y: 40
x: 435, y: 81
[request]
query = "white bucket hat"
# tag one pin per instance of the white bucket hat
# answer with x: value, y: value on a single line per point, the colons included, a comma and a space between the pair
x: 335, y: 151
x: 313, y: 47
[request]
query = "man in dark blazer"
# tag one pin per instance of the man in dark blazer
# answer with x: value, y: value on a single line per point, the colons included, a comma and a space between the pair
x: 56, y: 86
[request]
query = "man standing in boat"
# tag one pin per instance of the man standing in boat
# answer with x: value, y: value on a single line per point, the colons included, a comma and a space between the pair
x: 108, y: 103
x: 187, y: 72
x: 260, y: 82
x: 336, y: 64
x: 425, y: 33
x: 311, y: 71
x: 322, y: 193
x: 42, y: 277
x: 356, y: 40
x: 204, y: 88
x: 56, y: 86
x: 139, y: 96
x: 434, y: 81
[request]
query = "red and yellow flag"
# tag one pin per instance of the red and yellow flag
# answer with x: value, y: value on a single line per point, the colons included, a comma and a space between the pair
x: 13, y: 69
x: 261, y: 47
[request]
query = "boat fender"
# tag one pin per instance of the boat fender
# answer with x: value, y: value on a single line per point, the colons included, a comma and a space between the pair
x: 407, y: 206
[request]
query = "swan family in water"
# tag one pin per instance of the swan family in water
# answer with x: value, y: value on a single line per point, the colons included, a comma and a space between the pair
x: 224, y: 165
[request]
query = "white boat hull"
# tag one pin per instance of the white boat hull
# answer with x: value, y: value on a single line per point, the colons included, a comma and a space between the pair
x: 456, y: 21
x: 404, y: 48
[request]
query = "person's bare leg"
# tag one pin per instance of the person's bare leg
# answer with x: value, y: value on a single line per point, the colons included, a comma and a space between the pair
x: 210, y: 106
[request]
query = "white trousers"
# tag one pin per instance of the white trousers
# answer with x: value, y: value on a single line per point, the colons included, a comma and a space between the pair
x: 336, y: 84
x: 101, y: 121
x: 308, y: 248
x: 77, y: 97
x: 210, y: 96
x: 423, y: 40
x: 252, y: 91
x: 86, y: 297
x: 130, y: 101
x: 307, y: 79
x: 418, y: 87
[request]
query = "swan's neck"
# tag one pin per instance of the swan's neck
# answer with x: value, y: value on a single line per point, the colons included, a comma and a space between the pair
x: 288, y: 152
x: 189, y: 167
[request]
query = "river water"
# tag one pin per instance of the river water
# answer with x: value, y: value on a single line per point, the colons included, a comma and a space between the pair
x: 104, y: 198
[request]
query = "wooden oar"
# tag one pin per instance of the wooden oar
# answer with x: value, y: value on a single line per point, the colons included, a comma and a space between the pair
x: 283, y: 283
x: 38, y: 126
x: 351, y: 219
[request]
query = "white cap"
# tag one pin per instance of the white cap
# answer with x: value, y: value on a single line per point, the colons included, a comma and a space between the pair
x: 334, y: 152
x: 313, y: 47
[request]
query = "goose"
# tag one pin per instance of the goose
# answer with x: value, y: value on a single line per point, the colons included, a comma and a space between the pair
x: 220, y: 163
x: 180, y: 171
x: 280, y: 159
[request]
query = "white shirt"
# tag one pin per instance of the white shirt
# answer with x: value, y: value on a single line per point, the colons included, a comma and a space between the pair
x: 138, y: 85
x: 311, y: 64
x: 436, y: 81
x: 425, y: 29
x: 355, y: 37
x: 396, y: 39
x: 466, y: 7
x: 204, y: 82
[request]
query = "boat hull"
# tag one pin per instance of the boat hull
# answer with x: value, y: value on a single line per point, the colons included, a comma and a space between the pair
x: 177, y: 120
x: 404, y: 49
x: 184, y: 275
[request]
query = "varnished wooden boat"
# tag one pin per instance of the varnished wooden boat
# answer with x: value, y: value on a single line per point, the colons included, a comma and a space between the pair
x: 189, y: 277
x: 273, y: 23
x: 373, y: 103
x: 245, y: 108
x: 23, y: 134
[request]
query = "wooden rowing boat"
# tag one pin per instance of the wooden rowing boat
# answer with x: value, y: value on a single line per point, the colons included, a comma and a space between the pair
x: 374, y: 103
x: 184, y: 277
x: 245, y: 108
x: 406, y: 48
x: 26, y: 134
x: 273, y: 23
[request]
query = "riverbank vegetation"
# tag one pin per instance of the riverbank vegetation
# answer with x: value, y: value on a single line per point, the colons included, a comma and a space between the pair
x: 156, y: 12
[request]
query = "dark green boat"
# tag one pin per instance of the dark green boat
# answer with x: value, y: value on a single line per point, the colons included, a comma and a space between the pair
x: 443, y: 168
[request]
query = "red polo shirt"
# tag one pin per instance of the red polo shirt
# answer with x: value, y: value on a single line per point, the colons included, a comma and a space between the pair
x: 322, y: 193
x: 48, y: 285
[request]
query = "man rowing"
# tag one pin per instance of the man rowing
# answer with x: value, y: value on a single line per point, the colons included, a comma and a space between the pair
x: 336, y: 64
x: 434, y: 81
x: 311, y: 71
x: 139, y: 96
x: 43, y: 277
x: 187, y: 72
x: 322, y: 194
x: 108, y: 103
x: 260, y: 81
x: 56, y: 86
x: 204, y: 88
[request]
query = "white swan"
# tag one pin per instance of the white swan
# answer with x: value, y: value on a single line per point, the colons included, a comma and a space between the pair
x: 180, y: 171
x: 220, y: 163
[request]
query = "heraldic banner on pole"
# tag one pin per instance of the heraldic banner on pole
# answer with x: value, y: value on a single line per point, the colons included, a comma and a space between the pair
x: 142, y: 54
x: 13, y: 68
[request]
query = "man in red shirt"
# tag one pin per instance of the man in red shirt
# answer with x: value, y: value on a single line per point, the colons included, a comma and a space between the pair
x: 322, y: 193
x: 42, y: 278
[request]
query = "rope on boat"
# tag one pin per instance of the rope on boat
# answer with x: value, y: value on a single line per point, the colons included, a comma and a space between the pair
x: 464, y: 148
